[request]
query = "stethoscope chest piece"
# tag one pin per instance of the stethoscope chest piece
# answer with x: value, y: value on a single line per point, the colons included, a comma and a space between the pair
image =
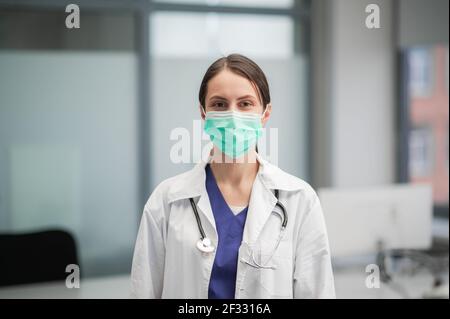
x: 205, y: 245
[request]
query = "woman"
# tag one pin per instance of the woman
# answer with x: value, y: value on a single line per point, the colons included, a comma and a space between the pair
x: 235, y: 226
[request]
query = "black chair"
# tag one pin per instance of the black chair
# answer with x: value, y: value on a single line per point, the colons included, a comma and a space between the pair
x: 36, y: 257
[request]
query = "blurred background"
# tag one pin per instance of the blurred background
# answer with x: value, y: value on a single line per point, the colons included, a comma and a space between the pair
x: 86, y: 116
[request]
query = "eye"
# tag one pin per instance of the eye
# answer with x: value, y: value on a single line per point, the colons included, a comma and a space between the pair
x: 246, y: 104
x: 218, y: 104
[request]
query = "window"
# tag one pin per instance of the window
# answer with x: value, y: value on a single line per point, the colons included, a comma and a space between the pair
x: 84, y: 120
x: 67, y: 132
x: 213, y: 35
x: 246, y: 3
x: 424, y: 121
x: 420, y: 152
x: 184, y: 44
x: 421, y: 72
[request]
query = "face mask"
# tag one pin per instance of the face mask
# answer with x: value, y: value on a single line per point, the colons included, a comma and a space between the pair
x: 234, y: 133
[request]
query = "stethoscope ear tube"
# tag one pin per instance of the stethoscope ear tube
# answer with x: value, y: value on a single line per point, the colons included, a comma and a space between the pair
x: 283, y: 209
x: 197, y: 217
x: 204, y: 244
x: 285, y: 217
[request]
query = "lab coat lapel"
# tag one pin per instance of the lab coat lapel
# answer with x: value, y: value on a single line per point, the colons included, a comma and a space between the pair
x: 262, y: 203
x: 205, y: 207
x: 192, y: 185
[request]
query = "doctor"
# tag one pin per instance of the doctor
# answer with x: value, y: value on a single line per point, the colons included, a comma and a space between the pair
x: 235, y: 226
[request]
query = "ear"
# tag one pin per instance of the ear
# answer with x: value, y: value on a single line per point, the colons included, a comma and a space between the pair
x: 267, y: 113
x: 202, y: 112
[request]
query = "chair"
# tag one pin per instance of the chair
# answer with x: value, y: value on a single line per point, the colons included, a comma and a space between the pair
x: 36, y: 257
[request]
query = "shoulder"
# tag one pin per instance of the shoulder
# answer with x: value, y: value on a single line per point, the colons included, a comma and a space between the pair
x: 304, y: 205
x: 166, y: 187
x: 296, y: 192
x: 276, y: 178
x: 184, y: 185
x: 163, y: 190
x: 304, y: 191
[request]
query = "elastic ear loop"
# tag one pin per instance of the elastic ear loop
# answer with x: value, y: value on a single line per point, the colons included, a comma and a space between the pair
x: 262, y: 116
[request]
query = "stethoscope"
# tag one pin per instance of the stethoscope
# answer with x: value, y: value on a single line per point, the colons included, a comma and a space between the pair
x: 205, y: 245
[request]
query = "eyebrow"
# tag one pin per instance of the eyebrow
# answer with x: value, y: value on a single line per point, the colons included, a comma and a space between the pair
x: 240, y: 98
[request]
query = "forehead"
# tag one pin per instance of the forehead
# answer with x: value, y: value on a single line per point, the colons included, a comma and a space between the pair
x: 230, y: 85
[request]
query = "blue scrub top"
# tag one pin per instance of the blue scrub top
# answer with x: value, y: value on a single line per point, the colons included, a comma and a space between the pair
x: 230, y: 229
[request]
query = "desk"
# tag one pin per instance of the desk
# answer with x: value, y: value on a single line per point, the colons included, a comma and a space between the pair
x: 350, y: 283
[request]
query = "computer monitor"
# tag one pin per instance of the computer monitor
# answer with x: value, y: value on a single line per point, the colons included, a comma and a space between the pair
x: 359, y: 219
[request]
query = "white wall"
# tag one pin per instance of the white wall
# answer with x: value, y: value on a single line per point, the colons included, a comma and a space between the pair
x: 355, y: 110
x: 363, y: 96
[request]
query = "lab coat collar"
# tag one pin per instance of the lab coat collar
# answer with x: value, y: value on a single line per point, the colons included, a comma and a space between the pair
x: 192, y: 183
x: 262, y: 200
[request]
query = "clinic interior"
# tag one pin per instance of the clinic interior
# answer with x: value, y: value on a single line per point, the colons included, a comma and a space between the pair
x: 86, y: 117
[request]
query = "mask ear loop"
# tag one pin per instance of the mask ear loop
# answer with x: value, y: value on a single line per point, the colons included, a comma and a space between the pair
x: 262, y: 116
x: 263, y: 113
x: 203, y: 111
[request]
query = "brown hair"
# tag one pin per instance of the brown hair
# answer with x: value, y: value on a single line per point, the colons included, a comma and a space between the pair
x: 240, y: 65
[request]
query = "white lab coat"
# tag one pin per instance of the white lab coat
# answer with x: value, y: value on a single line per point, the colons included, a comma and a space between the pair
x: 167, y: 263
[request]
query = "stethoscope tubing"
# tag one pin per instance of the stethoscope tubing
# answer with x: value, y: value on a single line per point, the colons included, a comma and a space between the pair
x: 197, y: 217
x: 202, y: 231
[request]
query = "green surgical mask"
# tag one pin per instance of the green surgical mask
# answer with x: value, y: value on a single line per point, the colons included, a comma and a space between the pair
x: 234, y: 133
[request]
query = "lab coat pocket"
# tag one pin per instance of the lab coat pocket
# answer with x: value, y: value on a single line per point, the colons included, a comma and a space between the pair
x: 276, y: 278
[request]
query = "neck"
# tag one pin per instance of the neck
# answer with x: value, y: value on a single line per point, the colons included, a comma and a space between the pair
x: 234, y: 172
